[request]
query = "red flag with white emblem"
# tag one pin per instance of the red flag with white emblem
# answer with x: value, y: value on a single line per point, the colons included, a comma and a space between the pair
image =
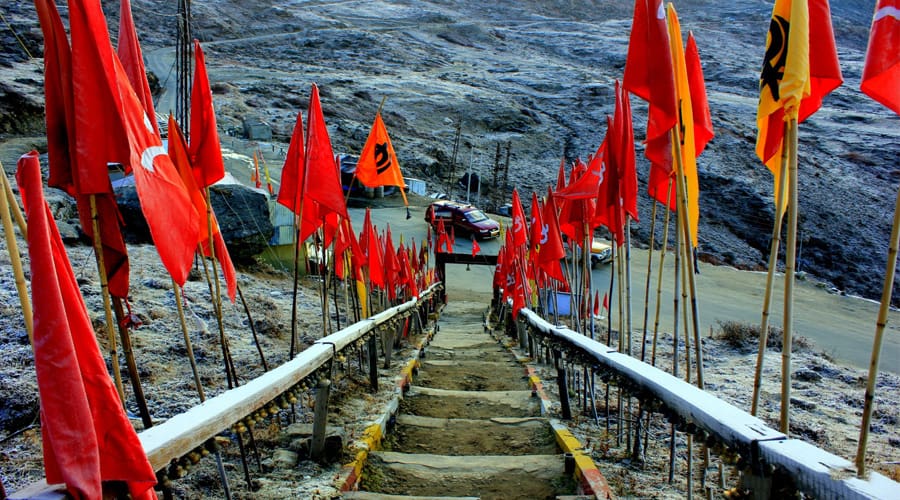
x: 881, y: 74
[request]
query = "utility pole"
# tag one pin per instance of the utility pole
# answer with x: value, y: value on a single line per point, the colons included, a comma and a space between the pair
x: 453, y: 157
x: 183, y: 55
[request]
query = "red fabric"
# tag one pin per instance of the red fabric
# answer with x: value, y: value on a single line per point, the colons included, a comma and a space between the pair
x: 292, y: 172
x: 881, y: 73
x: 475, y: 248
x: 167, y: 208
x: 63, y: 144
x: 586, y: 186
x: 179, y: 155
x: 369, y: 239
x: 341, y: 245
x: 499, y: 269
x: 173, y: 221
x: 129, y: 51
x: 703, y: 127
x: 99, y: 132
x: 537, y: 225
x: 519, y: 289
x: 626, y: 168
x: 205, y: 150
x: 60, y: 117
x: 87, y: 438
x: 519, y: 228
x: 649, y: 75
x: 824, y: 68
x: 551, y: 244
x: 324, y: 182
x: 609, y: 207
x: 391, y: 266
x: 357, y: 256
x: 658, y: 186
x: 561, y: 175
x: 597, y: 303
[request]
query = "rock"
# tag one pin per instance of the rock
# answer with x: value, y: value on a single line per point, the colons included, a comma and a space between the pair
x: 285, y: 459
x: 807, y: 375
x: 803, y: 405
x: 242, y: 214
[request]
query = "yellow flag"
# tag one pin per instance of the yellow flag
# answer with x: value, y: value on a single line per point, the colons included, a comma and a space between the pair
x: 378, y: 165
x: 783, y: 82
x: 686, y: 117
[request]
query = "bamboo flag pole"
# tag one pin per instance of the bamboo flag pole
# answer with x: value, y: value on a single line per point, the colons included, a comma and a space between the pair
x: 296, y: 283
x: 649, y: 276
x: 226, y: 354
x: 14, y: 256
x: 187, y: 340
x: 790, y: 260
x: 770, y: 278
x: 262, y: 357
x: 104, y: 289
x: 886, y: 293
x: 659, y: 276
x: 133, y: 373
x: 13, y: 206
x: 216, y: 292
x: 628, y: 282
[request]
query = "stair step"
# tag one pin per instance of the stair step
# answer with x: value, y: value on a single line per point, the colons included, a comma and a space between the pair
x: 457, y: 436
x: 488, y: 477
x: 366, y: 495
x: 471, y: 375
x: 444, y: 403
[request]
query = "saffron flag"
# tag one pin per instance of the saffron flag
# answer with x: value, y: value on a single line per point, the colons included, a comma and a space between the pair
x: 800, y: 68
x: 172, y: 220
x: 881, y: 74
x: 205, y: 150
x: 378, y: 164
x: 129, y: 51
x: 87, y: 437
x: 703, y: 127
x: 178, y: 152
x: 62, y: 143
x: 686, y: 125
x: 648, y: 67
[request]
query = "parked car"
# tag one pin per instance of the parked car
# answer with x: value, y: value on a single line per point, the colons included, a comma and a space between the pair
x: 465, y: 219
x: 601, y: 253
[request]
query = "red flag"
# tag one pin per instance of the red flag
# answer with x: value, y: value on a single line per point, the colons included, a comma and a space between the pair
x: 648, y: 75
x: 551, y: 250
x: 369, y: 239
x: 609, y: 207
x: 391, y: 266
x: 627, y: 169
x: 606, y: 301
x: 87, y: 438
x: 519, y: 229
x: 129, y: 51
x: 179, y: 155
x: 500, y: 268
x: 596, y: 303
x: 881, y: 73
x: 205, y: 150
x: 323, y: 182
x: 561, y: 175
x: 586, y: 186
x: 475, y: 247
x: 537, y: 225
x: 703, y: 127
x: 290, y: 191
x: 172, y: 220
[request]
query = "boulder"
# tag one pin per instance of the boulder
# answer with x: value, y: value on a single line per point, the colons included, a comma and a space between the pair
x: 242, y: 213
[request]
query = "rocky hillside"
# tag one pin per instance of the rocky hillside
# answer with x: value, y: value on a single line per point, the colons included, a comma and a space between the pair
x: 538, y: 76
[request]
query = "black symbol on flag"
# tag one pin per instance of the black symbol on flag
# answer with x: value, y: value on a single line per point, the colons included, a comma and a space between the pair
x: 382, y: 157
x: 776, y: 56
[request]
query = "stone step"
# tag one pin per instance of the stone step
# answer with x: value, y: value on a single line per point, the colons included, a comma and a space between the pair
x: 471, y: 375
x: 457, y: 436
x: 444, y: 403
x: 366, y: 495
x: 488, y: 477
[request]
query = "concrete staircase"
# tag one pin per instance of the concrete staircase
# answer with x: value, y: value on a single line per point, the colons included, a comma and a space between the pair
x: 469, y: 427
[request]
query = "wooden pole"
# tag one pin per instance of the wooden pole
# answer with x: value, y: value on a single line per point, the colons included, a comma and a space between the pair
x: 647, y: 284
x: 320, y: 418
x: 886, y: 293
x: 790, y: 260
x: 226, y: 354
x: 187, y: 341
x: 659, y: 277
x: 104, y: 290
x: 133, y: 373
x: 14, y: 207
x: 627, y: 303
x: 770, y: 278
x: 262, y: 357
x: 296, y: 283
x: 15, y: 257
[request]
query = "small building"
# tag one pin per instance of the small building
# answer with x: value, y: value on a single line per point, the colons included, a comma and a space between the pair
x: 257, y: 130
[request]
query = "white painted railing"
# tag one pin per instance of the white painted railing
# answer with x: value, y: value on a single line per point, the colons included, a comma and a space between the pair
x: 813, y: 470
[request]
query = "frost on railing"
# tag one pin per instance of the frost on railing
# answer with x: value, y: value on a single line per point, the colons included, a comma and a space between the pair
x: 761, y: 449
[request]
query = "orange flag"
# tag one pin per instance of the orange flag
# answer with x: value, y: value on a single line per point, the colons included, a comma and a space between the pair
x: 205, y: 150
x: 378, y: 165
x: 87, y: 438
x: 881, y: 74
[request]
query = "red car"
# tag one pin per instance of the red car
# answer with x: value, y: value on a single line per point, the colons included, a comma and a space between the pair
x: 466, y: 219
